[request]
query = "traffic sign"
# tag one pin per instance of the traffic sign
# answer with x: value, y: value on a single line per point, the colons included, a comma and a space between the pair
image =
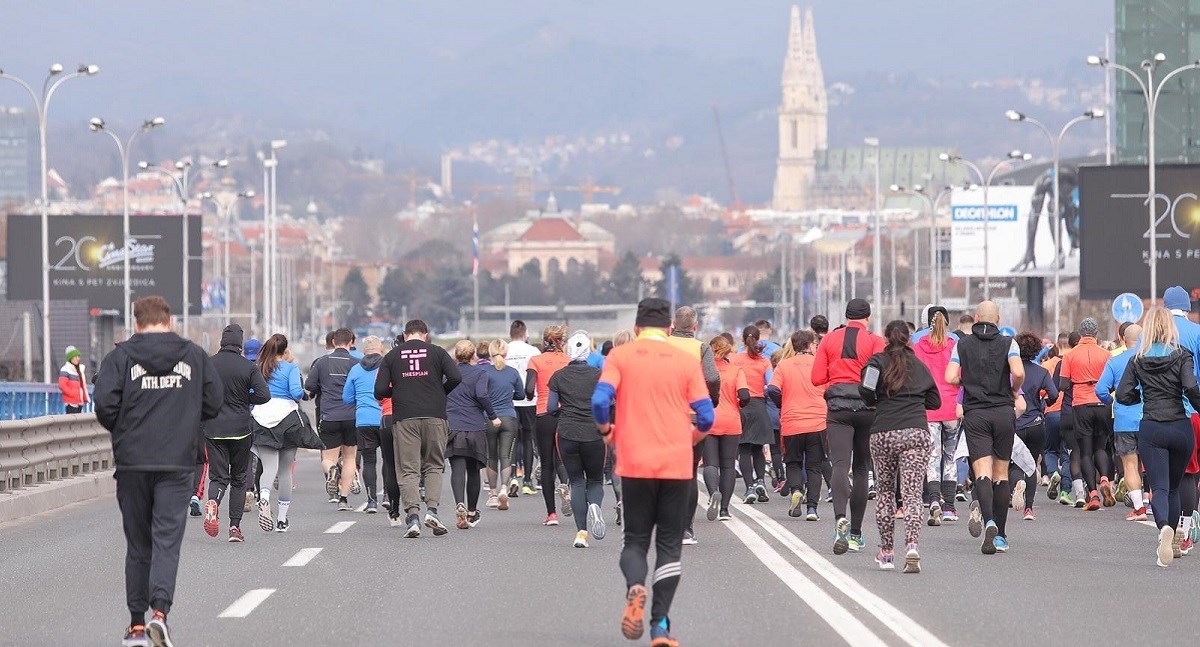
x: 1008, y: 331
x: 1127, y: 308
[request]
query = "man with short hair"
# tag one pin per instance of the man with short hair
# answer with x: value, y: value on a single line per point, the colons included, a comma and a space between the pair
x: 765, y: 332
x: 327, y: 377
x: 820, y: 326
x: 1079, y: 372
x: 965, y: 323
x: 417, y: 376
x: 683, y: 337
x: 988, y: 367
x: 1126, y: 420
x: 153, y: 392
x: 520, y: 352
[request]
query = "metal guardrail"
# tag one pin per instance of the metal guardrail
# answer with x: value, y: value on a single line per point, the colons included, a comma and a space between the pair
x: 20, y: 400
x: 50, y: 448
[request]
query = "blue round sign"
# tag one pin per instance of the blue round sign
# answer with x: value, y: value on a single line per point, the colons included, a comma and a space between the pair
x: 1008, y: 331
x: 1127, y: 308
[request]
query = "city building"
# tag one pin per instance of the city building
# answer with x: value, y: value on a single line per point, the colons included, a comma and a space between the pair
x: 719, y: 277
x: 18, y: 156
x: 550, y: 238
x: 803, y: 114
x: 1145, y: 28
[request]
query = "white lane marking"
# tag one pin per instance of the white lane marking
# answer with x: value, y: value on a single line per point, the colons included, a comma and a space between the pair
x: 339, y: 527
x: 900, y: 623
x: 247, y: 603
x: 361, y: 507
x: 303, y: 557
x: 834, y: 614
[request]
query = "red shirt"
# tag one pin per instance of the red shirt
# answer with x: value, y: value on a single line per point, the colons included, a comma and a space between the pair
x: 655, y: 385
x: 546, y: 365
x: 803, y: 410
x: 1084, y: 366
x: 836, y: 364
x: 729, y: 414
x: 756, y: 370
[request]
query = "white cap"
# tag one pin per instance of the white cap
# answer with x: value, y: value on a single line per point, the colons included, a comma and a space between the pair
x: 579, y: 346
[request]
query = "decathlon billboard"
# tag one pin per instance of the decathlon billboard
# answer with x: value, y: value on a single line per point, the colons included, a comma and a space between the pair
x: 1114, y: 229
x: 87, y: 259
x: 1014, y: 246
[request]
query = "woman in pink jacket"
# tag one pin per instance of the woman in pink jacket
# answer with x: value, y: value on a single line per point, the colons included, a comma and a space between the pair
x: 933, y: 350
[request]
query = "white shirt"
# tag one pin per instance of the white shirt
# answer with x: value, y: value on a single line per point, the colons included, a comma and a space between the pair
x: 519, y: 354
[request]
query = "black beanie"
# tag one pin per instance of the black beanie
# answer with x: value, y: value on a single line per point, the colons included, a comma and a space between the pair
x: 232, y: 336
x: 858, y: 309
x: 653, y: 313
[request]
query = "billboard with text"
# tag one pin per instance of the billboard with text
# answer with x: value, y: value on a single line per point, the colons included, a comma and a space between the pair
x: 1018, y: 243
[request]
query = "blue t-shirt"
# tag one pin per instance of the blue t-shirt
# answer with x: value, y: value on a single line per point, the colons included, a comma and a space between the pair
x: 1125, y: 418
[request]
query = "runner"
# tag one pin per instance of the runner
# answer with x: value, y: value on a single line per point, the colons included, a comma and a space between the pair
x: 1126, y: 420
x: 537, y: 383
x: 903, y: 390
x: 988, y: 367
x: 328, y: 378
x: 721, y: 442
x: 803, y: 416
x: 1179, y: 302
x: 838, y: 366
x: 756, y: 425
x: 819, y: 324
x: 250, y: 351
x: 504, y: 384
x: 653, y: 385
x: 278, y: 428
x: 1053, y: 467
x: 518, y: 356
x: 359, y: 390
x: 610, y: 458
x: 417, y: 376
x: 1157, y: 374
x: 152, y: 393
x: 1040, y: 390
x: 934, y: 350
x: 683, y: 337
x: 228, y: 436
x: 1080, y: 371
x: 469, y: 413
x: 579, y: 444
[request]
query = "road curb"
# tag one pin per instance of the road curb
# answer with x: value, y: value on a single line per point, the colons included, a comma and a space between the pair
x: 51, y: 496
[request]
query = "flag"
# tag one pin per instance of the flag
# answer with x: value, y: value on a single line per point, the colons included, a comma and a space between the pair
x: 475, y: 248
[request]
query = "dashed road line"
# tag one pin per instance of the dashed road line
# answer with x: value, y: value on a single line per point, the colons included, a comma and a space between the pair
x: 303, y: 557
x: 339, y: 527
x: 246, y: 604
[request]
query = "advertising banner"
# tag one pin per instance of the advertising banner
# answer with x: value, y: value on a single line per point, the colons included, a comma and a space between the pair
x: 87, y: 259
x: 1019, y: 244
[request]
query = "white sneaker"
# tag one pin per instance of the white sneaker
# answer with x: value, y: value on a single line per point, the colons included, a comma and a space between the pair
x: 493, y: 501
x: 581, y: 539
x: 595, y: 522
x: 1166, y: 548
x: 1018, y: 496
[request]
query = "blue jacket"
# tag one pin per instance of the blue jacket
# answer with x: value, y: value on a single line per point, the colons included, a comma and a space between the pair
x: 1126, y: 417
x: 469, y: 405
x: 360, y: 391
x: 503, y: 386
x: 285, y: 382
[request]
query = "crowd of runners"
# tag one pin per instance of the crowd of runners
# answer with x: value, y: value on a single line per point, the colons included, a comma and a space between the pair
x: 928, y: 420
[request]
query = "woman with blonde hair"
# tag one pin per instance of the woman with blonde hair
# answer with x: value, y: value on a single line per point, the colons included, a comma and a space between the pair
x: 1160, y: 376
x: 504, y: 385
x: 469, y: 413
x: 537, y: 383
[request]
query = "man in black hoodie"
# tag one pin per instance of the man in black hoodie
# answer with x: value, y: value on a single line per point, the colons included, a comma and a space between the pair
x: 152, y: 393
x: 228, y: 436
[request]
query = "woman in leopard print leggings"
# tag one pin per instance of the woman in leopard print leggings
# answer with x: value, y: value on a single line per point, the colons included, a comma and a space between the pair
x: 902, y: 390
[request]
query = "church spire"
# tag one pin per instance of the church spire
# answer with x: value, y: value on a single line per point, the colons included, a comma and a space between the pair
x: 794, y: 61
x: 809, y: 40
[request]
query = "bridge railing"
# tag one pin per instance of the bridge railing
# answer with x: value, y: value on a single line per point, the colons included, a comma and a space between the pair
x: 19, y: 400
x: 49, y: 448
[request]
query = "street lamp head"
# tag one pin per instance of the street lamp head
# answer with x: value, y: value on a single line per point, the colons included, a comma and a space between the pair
x: 206, y: 196
x: 276, y: 144
x: 180, y: 165
x: 221, y: 163
x: 96, y: 124
x: 90, y: 70
x: 153, y: 123
x: 249, y: 193
x: 57, y: 68
x: 1013, y: 115
x: 143, y: 165
x: 945, y: 157
x: 1097, y: 61
x: 919, y: 188
x: 871, y: 141
x: 1015, y: 154
x: 1095, y: 113
x: 1159, y: 58
x: 895, y: 188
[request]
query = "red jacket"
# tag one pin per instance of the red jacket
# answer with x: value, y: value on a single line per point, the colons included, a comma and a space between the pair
x: 72, y: 384
x: 837, y: 364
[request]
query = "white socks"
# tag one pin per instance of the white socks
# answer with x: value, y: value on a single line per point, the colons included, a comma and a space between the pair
x: 283, y: 510
x: 1136, y: 497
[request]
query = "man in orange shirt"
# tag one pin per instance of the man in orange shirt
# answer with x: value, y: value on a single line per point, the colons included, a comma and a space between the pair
x: 653, y: 385
x: 1080, y: 371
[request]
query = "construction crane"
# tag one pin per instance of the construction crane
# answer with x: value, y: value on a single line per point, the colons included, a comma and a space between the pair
x: 588, y: 190
x: 735, y: 201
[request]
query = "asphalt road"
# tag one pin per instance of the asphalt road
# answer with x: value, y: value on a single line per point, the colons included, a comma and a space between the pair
x: 763, y: 578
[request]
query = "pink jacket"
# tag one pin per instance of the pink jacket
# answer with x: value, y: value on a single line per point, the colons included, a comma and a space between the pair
x: 936, y: 360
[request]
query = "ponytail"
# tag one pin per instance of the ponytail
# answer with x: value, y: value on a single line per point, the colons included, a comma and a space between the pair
x: 268, y: 356
x: 498, y: 350
x: 937, y: 330
x: 751, y: 337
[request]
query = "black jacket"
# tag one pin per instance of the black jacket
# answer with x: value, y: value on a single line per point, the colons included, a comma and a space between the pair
x: 986, y: 375
x: 904, y: 409
x: 327, y: 378
x: 1162, y: 380
x: 244, y: 386
x: 152, y: 393
x: 417, y: 376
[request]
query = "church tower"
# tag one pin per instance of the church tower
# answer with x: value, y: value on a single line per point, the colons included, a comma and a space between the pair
x: 803, y: 113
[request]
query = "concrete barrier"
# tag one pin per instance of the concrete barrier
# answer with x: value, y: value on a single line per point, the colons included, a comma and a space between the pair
x: 52, y: 461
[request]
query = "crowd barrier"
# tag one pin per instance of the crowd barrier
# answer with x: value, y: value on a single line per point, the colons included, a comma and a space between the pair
x: 39, y: 450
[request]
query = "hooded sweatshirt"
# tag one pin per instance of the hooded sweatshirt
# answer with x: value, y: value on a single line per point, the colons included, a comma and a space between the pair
x: 936, y: 359
x: 152, y: 393
x: 1163, y: 375
x: 360, y: 391
x: 244, y: 386
x: 986, y: 376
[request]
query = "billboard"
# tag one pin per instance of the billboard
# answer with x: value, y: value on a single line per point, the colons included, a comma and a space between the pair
x: 1114, y: 229
x: 87, y: 259
x: 1019, y: 244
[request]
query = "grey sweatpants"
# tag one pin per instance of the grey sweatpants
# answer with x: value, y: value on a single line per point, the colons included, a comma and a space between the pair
x: 420, y: 451
x: 277, y: 462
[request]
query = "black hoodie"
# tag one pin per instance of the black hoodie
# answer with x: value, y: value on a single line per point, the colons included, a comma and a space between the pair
x: 244, y: 386
x: 1163, y: 379
x: 152, y: 393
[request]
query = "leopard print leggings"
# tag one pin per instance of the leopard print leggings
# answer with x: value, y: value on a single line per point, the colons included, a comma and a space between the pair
x: 905, y: 451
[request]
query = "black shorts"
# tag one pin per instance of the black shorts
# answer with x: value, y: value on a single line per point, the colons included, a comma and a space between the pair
x: 990, y: 432
x: 1094, y: 421
x: 339, y: 433
x: 368, y: 439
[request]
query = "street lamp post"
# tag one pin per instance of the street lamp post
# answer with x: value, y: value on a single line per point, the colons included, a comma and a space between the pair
x: 986, y: 182
x: 224, y: 211
x: 97, y: 125
x: 270, y: 240
x: 1055, y: 216
x: 931, y: 203
x: 41, y: 105
x: 1151, y: 91
x: 876, y: 253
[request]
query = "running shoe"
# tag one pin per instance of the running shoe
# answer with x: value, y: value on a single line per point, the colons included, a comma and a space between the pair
x: 414, y: 527
x: 990, y: 533
x: 1093, y: 502
x: 899, y: 513
x: 595, y: 522
x: 778, y: 486
x: 281, y: 525
x: 724, y: 515
x: 751, y: 498
x: 433, y: 523
x: 633, y: 621
x: 473, y: 517
x: 975, y: 520
x: 797, y: 502
x: 1166, y: 537
x: 394, y: 522
x: 1053, y: 490
x: 1106, y: 492
x: 1194, y: 535
x: 886, y: 561
x: 660, y: 634
x: 212, y: 524
x: 344, y: 504
x: 829, y: 496
x: 1128, y: 500
x: 841, y: 536
x: 235, y: 535
x: 265, y: 521
x: 871, y: 493
x: 949, y: 515
x: 460, y: 517
x: 960, y: 494
x: 564, y: 493
x: 493, y: 501
x: 760, y: 490
x: 157, y: 630
x: 1136, y: 515
x: 194, y: 508
x: 935, y: 514
x: 856, y: 543
x: 1177, y: 544
x: 1045, y: 480
x: 1029, y: 516
x: 1001, y: 545
x: 1185, y: 546
x: 689, y: 538
x: 387, y: 504
x: 581, y: 539
x: 514, y: 489
x: 356, y: 484
x: 714, y: 504
x: 1018, y: 495
x: 372, y: 507
x: 250, y: 501
x: 812, y: 515
x: 528, y: 489
x: 619, y: 513
x: 1122, y: 490
x: 135, y: 636
x: 912, y: 560
x: 551, y: 520
x: 1065, y: 498
x: 331, y: 482
x: 502, y: 501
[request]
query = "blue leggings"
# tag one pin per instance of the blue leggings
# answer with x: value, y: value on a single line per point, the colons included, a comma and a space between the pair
x: 1165, y: 448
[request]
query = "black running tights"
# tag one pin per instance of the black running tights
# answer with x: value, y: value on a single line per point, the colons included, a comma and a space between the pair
x: 464, y: 481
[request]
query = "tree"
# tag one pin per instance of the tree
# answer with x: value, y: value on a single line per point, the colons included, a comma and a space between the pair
x: 357, y: 297
x: 690, y: 292
x: 625, y: 282
x: 527, y: 288
x: 400, y: 288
